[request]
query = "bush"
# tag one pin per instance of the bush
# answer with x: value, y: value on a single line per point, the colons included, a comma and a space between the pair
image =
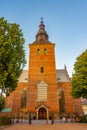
x: 83, y: 119
x: 4, y: 120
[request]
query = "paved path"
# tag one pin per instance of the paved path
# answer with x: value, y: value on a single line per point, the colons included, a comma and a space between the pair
x: 62, y: 126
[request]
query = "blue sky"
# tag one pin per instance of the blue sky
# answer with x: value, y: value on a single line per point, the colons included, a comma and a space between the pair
x: 65, y: 22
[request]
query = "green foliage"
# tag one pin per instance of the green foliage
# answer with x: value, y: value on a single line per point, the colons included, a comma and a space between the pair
x: 12, y: 54
x: 2, y: 102
x: 4, y: 120
x: 79, y: 78
x: 83, y: 119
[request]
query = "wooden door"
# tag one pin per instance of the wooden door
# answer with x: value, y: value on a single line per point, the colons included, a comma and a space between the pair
x: 42, y: 113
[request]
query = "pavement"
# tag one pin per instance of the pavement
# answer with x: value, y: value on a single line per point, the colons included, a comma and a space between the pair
x: 45, y: 126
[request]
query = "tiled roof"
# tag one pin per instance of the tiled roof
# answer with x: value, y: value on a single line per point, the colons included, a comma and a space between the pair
x: 62, y: 75
x: 23, y: 77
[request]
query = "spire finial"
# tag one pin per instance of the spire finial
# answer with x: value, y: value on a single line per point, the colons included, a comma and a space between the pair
x: 41, y: 34
x: 41, y: 19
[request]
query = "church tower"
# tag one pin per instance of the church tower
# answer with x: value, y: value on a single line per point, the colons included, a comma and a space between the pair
x: 42, y: 96
x: 43, y: 90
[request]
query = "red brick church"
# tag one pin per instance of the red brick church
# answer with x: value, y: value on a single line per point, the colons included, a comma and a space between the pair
x: 43, y: 90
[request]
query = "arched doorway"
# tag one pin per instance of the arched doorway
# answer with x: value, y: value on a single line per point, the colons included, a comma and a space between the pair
x: 42, y: 113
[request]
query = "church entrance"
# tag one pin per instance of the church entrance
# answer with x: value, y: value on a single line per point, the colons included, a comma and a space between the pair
x: 42, y: 113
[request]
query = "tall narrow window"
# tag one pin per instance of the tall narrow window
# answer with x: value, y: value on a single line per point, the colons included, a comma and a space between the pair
x: 42, y: 69
x: 23, y: 98
x: 38, y: 51
x: 61, y: 101
x: 45, y: 51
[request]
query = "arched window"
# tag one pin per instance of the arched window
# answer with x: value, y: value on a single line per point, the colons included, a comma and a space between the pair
x: 23, y: 98
x: 38, y: 51
x: 61, y: 101
x: 42, y: 69
x: 45, y: 51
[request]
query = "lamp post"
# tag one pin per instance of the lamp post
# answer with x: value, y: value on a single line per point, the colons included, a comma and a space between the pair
x: 30, y: 118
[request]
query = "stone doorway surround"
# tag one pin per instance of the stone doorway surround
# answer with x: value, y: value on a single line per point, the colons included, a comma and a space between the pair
x: 45, y: 108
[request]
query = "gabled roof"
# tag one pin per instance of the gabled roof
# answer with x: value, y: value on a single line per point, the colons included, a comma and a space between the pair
x: 62, y: 75
x: 23, y: 77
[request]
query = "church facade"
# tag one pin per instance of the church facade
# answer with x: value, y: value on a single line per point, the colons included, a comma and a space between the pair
x: 43, y: 90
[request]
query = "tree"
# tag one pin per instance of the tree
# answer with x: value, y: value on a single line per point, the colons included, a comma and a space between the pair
x: 2, y: 102
x: 79, y: 78
x: 12, y: 54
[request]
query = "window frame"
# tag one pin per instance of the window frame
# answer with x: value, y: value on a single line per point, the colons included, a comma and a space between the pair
x: 45, y: 51
x: 38, y: 51
x: 42, y: 69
